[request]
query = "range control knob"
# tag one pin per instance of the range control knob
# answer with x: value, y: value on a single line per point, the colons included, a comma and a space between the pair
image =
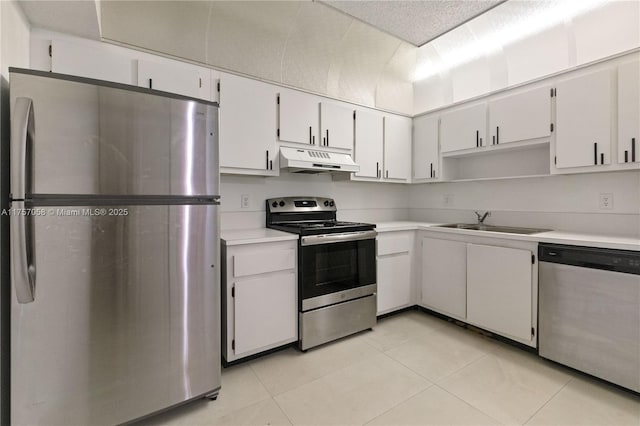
x: 326, y: 203
x: 331, y: 203
x: 274, y: 204
x: 281, y: 203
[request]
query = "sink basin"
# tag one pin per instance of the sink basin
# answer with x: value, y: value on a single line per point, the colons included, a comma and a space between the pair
x: 492, y: 228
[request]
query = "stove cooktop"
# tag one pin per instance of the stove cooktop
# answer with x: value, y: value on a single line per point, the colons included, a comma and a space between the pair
x: 326, y: 227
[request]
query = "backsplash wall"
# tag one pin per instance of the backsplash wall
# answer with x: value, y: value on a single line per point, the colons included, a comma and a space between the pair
x: 356, y: 201
x: 568, y: 202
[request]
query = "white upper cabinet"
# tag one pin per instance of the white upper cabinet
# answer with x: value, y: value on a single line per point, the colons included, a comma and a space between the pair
x: 464, y: 128
x: 87, y: 61
x: 368, y: 144
x: 175, y: 77
x: 336, y: 126
x: 397, y: 148
x: 298, y: 118
x: 499, y: 290
x: 247, y: 126
x: 520, y: 117
x: 583, y: 120
x: 426, y: 163
x: 629, y: 112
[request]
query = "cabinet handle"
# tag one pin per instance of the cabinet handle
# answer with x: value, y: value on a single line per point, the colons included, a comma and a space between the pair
x: 497, y: 135
x: 270, y: 164
x: 387, y: 174
x: 626, y: 155
x: 633, y: 150
x: 267, y: 159
x: 309, y: 135
x: 477, y: 138
x: 431, y: 170
x: 327, y: 137
x: 378, y: 170
x: 480, y: 141
x: 602, y: 158
x: 595, y: 153
x: 493, y: 142
x: 150, y: 83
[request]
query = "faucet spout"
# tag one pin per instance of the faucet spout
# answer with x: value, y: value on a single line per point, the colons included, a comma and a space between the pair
x: 482, y: 216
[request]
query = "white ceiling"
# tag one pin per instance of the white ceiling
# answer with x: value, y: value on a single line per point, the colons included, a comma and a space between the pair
x: 79, y: 17
x: 416, y: 22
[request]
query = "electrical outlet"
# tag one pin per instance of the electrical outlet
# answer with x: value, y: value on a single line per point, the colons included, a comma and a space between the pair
x: 244, y: 201
x: 448, y: 199
x: 606, y: 201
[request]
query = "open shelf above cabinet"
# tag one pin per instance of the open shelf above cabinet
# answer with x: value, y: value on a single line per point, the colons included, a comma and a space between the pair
x: 525, y: 159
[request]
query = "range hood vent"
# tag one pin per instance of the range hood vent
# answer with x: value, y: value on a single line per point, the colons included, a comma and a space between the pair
x: 298, y: 160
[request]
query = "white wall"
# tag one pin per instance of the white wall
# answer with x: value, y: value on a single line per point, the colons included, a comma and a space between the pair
x: 356, y: 201
x: 607, y: 30
x: 14, y: 52
x: 568, y: 202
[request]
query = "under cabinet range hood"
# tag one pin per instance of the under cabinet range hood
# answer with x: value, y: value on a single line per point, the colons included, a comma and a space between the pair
x: 298, y: 160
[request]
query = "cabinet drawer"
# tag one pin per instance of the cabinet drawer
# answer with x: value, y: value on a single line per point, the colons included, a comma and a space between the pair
x: 390, y: 244
x: 262, y: 262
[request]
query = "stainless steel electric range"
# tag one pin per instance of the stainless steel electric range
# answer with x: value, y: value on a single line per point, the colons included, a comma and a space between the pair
x: 336, y: 268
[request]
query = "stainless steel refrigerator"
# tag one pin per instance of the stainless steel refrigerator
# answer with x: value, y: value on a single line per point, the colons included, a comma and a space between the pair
x: 114, y: 232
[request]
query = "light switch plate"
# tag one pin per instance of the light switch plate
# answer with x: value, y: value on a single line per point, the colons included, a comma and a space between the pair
x: 244, y: 201
x: 448, y: 199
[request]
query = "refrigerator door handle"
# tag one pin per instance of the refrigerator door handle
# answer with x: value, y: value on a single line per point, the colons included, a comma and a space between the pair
x: 23, y: 272
x: 22, y: 132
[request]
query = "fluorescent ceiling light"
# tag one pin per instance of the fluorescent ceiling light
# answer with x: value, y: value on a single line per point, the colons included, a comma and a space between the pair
x: 553, y: 13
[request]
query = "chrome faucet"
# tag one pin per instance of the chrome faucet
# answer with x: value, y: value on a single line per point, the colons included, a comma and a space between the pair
x: 482, y: 216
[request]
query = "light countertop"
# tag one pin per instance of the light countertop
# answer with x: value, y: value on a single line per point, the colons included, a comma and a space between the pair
x: 554, y: 237
x: 257, y: 235
x: 266, y: 235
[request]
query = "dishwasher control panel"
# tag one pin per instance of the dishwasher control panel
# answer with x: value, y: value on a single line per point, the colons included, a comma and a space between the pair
x: 625, y: 261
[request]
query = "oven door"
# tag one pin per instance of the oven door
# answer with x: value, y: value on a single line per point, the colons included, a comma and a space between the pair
x: 336, y: 267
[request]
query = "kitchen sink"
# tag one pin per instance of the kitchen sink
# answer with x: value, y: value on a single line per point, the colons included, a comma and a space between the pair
x: 492, y: 228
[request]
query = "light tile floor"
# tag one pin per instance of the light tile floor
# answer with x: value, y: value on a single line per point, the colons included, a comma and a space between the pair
x: 412, y: 369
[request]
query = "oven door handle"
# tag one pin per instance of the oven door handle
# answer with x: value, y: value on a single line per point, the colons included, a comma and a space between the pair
x: 312, y: 240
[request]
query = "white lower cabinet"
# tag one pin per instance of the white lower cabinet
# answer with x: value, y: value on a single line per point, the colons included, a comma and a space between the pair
x: 394, y: 262
x: 490, y: 283
x: 499, y: 290
x: 444, y: 277
x: 259, y: 298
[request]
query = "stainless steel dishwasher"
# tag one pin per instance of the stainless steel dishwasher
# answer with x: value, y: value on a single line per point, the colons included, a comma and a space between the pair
x: 589, y: 311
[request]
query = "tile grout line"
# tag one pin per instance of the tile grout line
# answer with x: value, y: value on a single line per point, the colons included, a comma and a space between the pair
x: 272, y: 397
x: 401, y: 402
x: 469, y: 404
x: 548, y: 401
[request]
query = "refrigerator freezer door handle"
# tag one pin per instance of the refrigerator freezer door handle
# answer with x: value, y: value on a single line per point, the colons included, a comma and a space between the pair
x: 22, y: 271
x: 22, y: 129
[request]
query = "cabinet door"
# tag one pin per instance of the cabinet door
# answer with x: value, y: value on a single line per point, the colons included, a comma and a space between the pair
x: 397, y: 148
x: 425, y: 148
x: 520, y: 117
x: 394, y: 282
x: 394, y: 271
x: 368, y: 144
x: 499, y: 290
x: 336, y: 124
x: 248, y: 126
x: 464, y: 128
x: 444, y: 276
x: 298, y: 118
x: 173, y: 77
x: 86, y: 61
x: 583, y: 120
x: 265, y: 311
x: 629, y: 112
